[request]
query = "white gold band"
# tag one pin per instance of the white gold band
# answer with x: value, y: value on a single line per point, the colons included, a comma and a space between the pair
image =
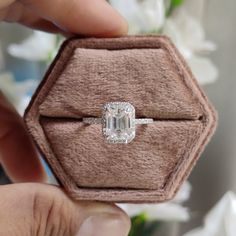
x: 93, y: 121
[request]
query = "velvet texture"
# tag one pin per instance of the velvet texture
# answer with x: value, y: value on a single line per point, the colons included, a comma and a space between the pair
x: 149, y: 73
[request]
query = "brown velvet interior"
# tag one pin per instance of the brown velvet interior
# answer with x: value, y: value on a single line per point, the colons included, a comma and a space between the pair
x: 155, y: 152
x: 147, y: 78
x: 144, y: 77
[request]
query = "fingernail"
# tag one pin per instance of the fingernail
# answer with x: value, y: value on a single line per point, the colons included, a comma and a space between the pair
x: 105, y: 224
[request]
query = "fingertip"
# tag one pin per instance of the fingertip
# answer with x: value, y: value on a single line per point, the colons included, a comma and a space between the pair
x: 93, y: 18
x: 119, y: 28
x: 113, y: 23
x: 103, y: 219
x: 86, y: 18
x: 116, y: 25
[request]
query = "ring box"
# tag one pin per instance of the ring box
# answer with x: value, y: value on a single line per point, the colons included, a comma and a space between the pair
x: 146, y: 71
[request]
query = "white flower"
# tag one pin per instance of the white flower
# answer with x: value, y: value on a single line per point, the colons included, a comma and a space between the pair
x: 184, y: 193
x: 38, y: 47
x: 189, y: 37
x: 220, y: 221
x: 18, y: 93
x: 203, y: 69
x: 168, y: 211
x: 143, y: 16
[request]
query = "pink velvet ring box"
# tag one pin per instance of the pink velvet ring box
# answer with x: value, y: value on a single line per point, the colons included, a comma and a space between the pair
x: 149, y: 73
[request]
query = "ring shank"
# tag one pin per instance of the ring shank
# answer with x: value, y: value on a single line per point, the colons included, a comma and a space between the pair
x: 143, y: 121
x: 93, y: 121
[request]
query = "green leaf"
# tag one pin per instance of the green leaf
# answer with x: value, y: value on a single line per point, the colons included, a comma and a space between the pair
x: 138, y: 223
x: 141, y: 226
x: 151, y: 227
x: 174, y: 4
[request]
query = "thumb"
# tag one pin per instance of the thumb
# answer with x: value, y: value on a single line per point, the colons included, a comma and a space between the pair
x: 37, y: 209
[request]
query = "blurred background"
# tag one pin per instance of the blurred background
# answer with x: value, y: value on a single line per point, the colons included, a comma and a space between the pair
x: 203, y: 30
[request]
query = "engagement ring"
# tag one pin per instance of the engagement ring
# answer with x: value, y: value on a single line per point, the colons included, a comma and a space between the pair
x: 118, y: 122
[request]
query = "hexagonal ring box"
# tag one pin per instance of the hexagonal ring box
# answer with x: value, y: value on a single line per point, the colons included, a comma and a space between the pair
x: 146, y: 72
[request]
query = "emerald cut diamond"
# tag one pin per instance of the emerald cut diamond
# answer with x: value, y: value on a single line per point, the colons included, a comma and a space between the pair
x: 118, y: 122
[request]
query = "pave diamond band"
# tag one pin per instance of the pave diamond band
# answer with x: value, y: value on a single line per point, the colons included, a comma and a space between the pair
x: 94, y: 121
x: 118, y: 122
x: 143, y: 121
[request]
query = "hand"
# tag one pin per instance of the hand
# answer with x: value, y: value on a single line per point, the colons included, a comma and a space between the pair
x: 38, y: 209
x: 89, y: 18
x: 41, y: 210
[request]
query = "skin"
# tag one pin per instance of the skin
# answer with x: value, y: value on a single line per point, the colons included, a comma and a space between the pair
x: 36, y: 208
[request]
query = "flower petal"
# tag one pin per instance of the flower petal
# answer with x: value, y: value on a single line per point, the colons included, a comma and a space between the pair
x: 187, y: 33
x: 35, y: 48
x: 183, y: 193
x: 220, y: 221
x: 203, y: 69
x: 167, y: 212
x: 143, y: 16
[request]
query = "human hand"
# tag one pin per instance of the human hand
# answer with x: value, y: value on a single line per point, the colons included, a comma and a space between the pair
x: 80, y: 17
x: 37, y: 209
x: 83, y: 17
x: 41, y: 210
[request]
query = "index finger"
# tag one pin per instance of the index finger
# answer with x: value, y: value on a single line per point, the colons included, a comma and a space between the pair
x: 93, y: 17
x: 17, y: 153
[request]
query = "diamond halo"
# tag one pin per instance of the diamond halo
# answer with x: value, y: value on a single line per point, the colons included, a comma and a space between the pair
x: 118, y: 122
